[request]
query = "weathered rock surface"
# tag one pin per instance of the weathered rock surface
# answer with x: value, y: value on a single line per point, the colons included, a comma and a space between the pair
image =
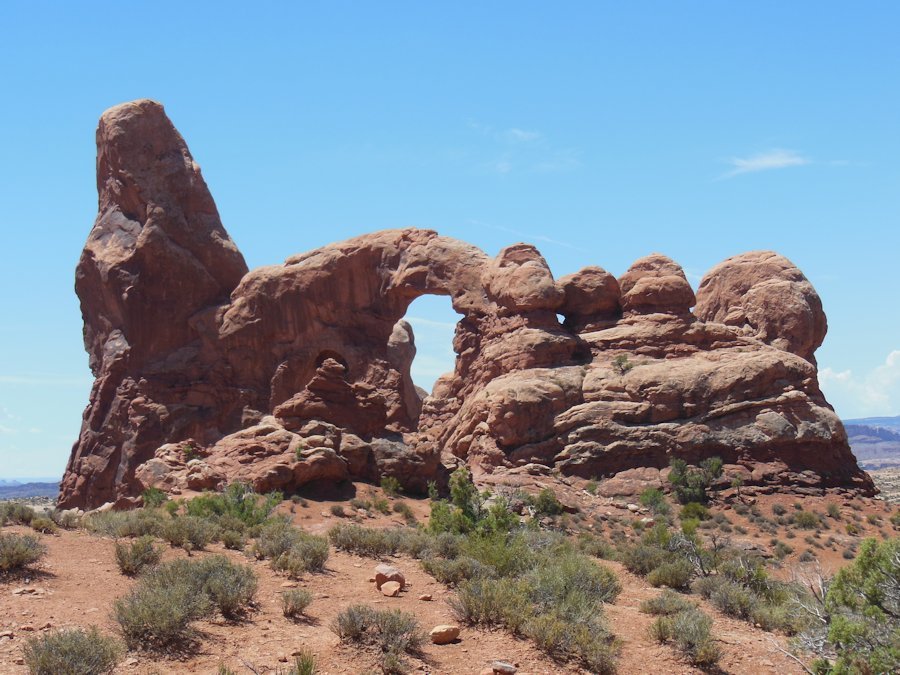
x: 299, y: 372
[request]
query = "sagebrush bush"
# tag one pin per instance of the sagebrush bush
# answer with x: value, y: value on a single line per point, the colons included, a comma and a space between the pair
x: 393, y: 632
x: 452, y: 571
x: 404, y: 510
x: 191, y: 533
x: 666, y: 603
x: 275, y: 537
x: 233, y: 540
x: 155, y: 615
x: 18, y: 551
x: 295, y: 601
x: 65, y: 519
x: 158, y: 612
x: 43, y: 524
x: 290, y: 549
x: 230, y: 587
x: 596, y: 546
x: 676, y: 574
x: 381, y: 504
x: 806, y: 520
x: 16, y: 513
x: 72, y: 652
x: 690, y: 631
x: 378, y: 544
x: 642, y: 559
x: 135, y: 556
x: 118, y: 524
x: 308, y: 554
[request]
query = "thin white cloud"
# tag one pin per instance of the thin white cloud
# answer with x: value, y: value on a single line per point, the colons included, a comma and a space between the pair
x: 769, y: 160
x: 414, y: 320
x: 528, y: 237
x: 517, y: 149
x: 521, y: 135
x: 870, y: 394
x: 501, y: 166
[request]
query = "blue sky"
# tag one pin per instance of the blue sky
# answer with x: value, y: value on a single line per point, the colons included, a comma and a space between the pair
x: 599, y: 131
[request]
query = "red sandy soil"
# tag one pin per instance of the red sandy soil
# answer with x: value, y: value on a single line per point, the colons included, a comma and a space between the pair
x: 79, y: 580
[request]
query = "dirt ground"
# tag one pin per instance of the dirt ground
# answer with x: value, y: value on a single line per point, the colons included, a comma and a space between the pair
x: 79, y: 580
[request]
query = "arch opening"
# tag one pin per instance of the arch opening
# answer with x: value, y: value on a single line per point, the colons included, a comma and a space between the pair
x: 433, y: 321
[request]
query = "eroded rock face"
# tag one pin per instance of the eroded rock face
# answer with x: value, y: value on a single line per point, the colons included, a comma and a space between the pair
x: 299, y: 372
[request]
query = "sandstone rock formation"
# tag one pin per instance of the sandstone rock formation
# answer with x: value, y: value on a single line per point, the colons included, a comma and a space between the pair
x: 292, y: 373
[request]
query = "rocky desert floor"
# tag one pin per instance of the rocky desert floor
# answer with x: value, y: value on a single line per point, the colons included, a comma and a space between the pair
x: 888, y: 481
x: 79, y: 580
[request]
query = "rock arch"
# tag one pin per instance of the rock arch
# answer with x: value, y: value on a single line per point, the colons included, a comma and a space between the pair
x: 300, y: 371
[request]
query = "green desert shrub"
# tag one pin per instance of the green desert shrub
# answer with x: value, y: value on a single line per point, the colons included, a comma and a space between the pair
x: 155, y: 615
x: 16, y: 513
x: 596, y: 546
x: 546, y: 503
x: 391, y: 486
x: 67, y: 520
x: 691, y: 483
x: 191, y: 533
x: 693, y: 510
x: 862, y: 607
x: 237, y: 507
x: 290, y: 549
x: 404, y: 510
x: 308, y: 554
x: 452, y: 571
x: 392, y: 632
x: 230, y: 587
x: 294, y: 602
x: 153, y: 497
x: 338, y: 510
x: 275, y: 537
x: 233, y: 540
x: 689, y: 630
x: 556, y: 600
x: 358, y: 503
x: 305, y: 663
x: 377, y: 543
x: 655, y: 500
x: 642, y: 559
x: 676, y: 574
x: 18, y: 551
x: 159, y: 610
x: 118, y: 524
x: 666, y: 603
x: 806, y: 520
x: 72, y: 652
x: 134, y: 556
x: 43, y: 524
x: 382, y: 505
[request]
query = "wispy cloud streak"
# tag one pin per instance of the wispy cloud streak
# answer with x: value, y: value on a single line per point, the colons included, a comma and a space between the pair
x: 769, y: 160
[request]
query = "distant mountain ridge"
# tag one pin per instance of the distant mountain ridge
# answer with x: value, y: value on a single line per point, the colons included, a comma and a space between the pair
x: 875, y: 441
x: 26, y: 490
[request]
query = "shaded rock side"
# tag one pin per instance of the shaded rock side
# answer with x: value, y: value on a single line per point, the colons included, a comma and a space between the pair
x: 299, y: 372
